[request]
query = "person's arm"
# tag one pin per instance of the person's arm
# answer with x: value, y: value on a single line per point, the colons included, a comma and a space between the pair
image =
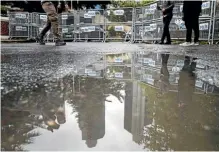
x: 200, y: 7
x: 67, y: 7
x: 158, y: 8
x: 183, y: 10
x: 170, y: 7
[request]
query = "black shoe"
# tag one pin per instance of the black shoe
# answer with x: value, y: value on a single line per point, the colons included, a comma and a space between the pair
x: 161, y: 42
x: 60, y: 43
x: 40, y: 40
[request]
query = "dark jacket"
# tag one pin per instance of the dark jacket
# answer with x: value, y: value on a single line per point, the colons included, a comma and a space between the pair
x: 192, y: 8
x: 168, y: 6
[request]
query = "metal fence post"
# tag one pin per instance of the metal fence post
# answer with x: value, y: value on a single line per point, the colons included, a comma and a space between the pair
x: 210, y: 26
x: 214, y: 18
x: 104, y: 25
x: 28, y: 25
x: 133, y: 25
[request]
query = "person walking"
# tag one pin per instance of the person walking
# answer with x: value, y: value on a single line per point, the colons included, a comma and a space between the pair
x: 52, y: 22
x: 191, y: 13
x: 167, y: 16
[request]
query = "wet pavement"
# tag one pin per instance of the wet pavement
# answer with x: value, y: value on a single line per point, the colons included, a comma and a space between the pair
x: 113, y: 97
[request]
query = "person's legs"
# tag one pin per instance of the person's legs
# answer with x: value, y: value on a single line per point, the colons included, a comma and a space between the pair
x: 49, y: 8
x: 164, y: 31
x: 167, y: 30
x: 45, y: 29
x: 40, y: 37
x: 53, y: 17
x: 196, y: 29
x: 188, y: 24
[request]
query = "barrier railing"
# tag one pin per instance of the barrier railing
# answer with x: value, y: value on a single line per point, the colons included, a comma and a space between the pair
x: 133, y: 24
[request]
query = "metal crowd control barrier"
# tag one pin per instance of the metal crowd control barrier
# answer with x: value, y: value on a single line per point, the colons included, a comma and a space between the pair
x: 90, y: 25
x: 67, y: 28
x: 215, y: 31
x: 121, y: 24
x: 19, y: 24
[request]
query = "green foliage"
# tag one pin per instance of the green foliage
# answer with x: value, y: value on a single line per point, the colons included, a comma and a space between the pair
x: 116, y: 18
x: 3, y: 9
x: 130, y: 3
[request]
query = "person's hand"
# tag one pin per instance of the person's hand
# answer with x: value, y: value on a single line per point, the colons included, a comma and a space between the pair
x: 163, y: 9
x: 59, y: 6
x: 158, y: 7
x: 67, y: 8
x: 183, y: 18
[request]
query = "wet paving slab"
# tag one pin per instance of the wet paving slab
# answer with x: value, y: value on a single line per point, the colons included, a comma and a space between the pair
x: 139, y: 100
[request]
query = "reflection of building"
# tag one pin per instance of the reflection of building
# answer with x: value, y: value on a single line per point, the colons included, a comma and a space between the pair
x: 92, y: 122
x: 90, y: 106
x: 135, y: 111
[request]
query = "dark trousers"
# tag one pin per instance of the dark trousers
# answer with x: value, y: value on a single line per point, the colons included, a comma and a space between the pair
x: 45, y: 29
x: 166, y: 32
x: 192, y: 23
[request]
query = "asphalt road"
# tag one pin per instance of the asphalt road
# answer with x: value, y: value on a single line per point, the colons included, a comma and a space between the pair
x: 30, y: 59
x: 36, y: 81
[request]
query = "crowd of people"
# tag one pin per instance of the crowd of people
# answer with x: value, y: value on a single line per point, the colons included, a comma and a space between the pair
x: 191, y: 12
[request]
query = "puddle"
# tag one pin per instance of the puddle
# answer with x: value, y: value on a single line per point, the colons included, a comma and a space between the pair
x: 129, y: 101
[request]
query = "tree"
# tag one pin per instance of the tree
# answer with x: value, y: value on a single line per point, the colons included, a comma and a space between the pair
x: 131, y: 3
x: 35, y: 6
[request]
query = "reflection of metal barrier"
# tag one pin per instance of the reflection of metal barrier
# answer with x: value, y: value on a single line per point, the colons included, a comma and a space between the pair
x: 123, y: 24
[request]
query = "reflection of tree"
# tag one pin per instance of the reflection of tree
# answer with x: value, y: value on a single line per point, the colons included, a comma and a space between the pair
x: 42, y: 105
x: 15, y: 130
x: 89, y: 103
x: 94, y: 88
x: 30, y: 107
x: 190, y: 124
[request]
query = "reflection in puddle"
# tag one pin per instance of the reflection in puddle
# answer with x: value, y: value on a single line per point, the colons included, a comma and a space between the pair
x: 120, y: 102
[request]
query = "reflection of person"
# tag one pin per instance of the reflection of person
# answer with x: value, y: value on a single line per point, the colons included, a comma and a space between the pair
x: 186, y: 83
x: 191, y: 12
x: 49, y: 119
x: 164, y: 77
x: 60, y: 114
x: 53, y: 110
x: 52, y: 22
x: 167, y: 16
